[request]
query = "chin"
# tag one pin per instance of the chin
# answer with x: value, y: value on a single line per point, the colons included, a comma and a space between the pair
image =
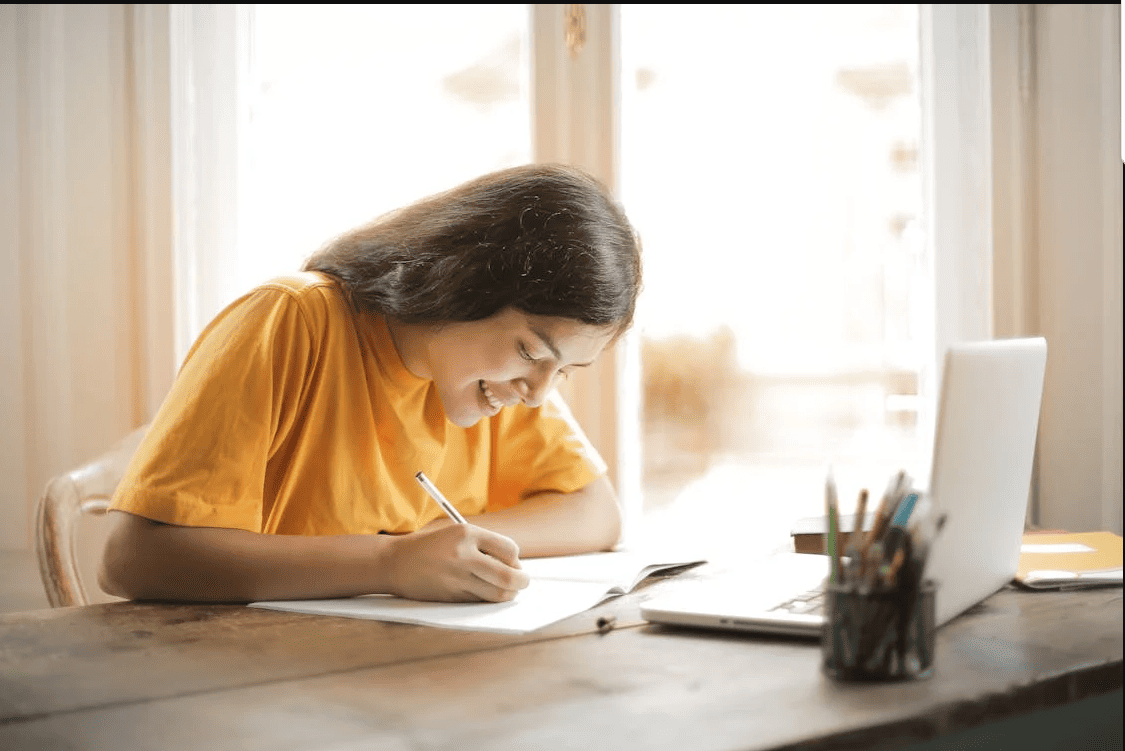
x: 462, y: 407
x: 464, y: 416
x: 465, y: 421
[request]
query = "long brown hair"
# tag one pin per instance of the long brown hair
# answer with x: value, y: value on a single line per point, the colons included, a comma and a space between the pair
x: 545, y: 239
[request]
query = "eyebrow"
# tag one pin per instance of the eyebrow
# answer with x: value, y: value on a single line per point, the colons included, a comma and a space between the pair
x: 549, y: 343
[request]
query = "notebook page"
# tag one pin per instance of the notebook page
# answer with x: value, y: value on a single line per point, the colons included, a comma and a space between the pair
x: 623, y: 568
x: 542, y: 602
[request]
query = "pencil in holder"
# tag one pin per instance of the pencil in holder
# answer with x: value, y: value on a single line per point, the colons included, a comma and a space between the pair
x: 878, y: 634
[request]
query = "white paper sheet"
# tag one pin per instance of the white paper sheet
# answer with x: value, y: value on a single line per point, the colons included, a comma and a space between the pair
x: 1056, y: 547
x: 560, y: 587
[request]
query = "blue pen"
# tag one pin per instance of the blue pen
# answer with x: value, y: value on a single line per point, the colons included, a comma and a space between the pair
x: 896, y: 533
x: 904, y: 510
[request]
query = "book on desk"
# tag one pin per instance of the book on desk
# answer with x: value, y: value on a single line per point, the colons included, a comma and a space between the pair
x: 810, y: 533
x: 1048, y: 560
x: 560, y: 587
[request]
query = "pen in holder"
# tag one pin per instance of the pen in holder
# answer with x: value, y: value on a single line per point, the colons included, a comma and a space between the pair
x: 878, y: 606
x: 878, y: 635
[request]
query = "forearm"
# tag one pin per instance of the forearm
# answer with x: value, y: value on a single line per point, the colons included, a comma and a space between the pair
x: 585, y: 521
x: 146, y: 560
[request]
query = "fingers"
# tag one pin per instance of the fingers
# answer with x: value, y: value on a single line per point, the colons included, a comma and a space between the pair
x: 503, y: 549
x: 497, y: 563
x: 456, y: 563
x: 490, y: 581
x: 500, y: 576
x: 478, y: 590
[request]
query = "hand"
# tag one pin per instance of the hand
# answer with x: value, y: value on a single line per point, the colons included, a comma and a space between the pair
x: 455, y: 563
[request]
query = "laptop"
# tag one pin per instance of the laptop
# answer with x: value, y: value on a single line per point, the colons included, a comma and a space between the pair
x: 984, y: 446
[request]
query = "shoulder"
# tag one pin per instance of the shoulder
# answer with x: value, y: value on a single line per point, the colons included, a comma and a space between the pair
x: 305, y: 287
x: 299, y: 284
x: 317, y: 296
x: 304, y: 305
x: 551, y: 426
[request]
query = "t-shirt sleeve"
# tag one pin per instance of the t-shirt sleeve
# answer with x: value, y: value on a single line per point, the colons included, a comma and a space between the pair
x: 540, y: 450
x: 204, y: 459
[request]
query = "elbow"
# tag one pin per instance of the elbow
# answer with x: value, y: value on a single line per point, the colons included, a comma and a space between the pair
x: 604, y: 514
x: 111, y: 580
x: 117, y: 571
x: 613, y: 528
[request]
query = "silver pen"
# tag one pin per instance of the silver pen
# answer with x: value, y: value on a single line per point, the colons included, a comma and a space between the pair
x: 434, y: 493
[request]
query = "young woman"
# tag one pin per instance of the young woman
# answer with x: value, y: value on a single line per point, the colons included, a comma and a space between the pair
x: 282, y: 463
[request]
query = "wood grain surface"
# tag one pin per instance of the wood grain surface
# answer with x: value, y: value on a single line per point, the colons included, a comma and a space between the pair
x: 140, y: 676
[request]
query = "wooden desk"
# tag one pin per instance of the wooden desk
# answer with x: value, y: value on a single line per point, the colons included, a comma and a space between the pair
x: 139, y: 676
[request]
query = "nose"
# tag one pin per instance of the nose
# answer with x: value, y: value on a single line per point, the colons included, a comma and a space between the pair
x: 533, y: 388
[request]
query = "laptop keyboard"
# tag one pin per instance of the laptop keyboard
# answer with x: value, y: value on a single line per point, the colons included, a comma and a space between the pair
x: 806, y: 603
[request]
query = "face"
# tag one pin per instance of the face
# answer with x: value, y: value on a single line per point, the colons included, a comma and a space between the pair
x: 478, y: 367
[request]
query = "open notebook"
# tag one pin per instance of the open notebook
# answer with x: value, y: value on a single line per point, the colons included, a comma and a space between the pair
x: 560, y: 587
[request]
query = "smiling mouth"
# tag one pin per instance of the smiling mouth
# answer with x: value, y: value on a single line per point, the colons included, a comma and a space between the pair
x: 489, y: 397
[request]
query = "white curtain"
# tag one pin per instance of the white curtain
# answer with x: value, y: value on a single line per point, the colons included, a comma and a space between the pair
x: 86, y: 297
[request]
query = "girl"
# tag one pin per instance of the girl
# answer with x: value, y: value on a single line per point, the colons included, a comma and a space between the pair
x: 428, y: 340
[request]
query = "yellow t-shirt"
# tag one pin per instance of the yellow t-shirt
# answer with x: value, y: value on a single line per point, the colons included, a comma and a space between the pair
x: 292, y: 415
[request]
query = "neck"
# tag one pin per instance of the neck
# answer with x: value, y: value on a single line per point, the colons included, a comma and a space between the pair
x: 409, y: 343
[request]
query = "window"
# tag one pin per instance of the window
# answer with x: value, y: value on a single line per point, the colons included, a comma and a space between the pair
x: 770, y: 158
x: 354, y: 110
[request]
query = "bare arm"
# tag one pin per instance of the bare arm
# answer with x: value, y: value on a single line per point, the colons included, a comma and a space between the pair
x: 584, y: 521
x: 144, y: 559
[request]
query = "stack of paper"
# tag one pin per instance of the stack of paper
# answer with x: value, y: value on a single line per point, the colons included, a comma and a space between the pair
x: 1070, y: 561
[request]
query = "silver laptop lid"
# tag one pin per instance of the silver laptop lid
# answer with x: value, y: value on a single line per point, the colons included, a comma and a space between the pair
x: 984, y: 447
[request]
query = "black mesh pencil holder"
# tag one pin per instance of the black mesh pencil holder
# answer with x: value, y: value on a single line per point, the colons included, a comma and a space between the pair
x: 880, y: 634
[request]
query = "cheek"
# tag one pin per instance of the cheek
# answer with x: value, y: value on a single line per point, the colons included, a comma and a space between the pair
x: 462, y: 359
x: 496, y: 369
x: 458, y: 384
